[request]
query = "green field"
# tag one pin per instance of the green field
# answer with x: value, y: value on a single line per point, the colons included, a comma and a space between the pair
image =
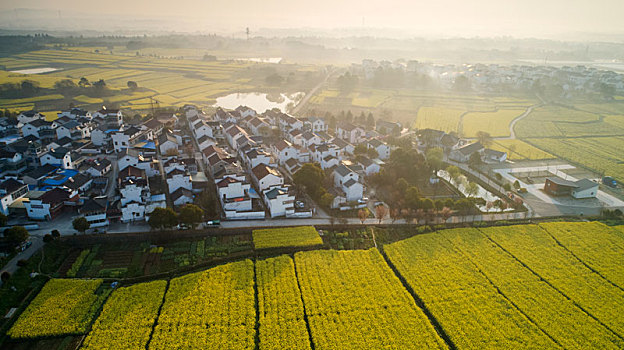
x: 552, y: 285
x: 494, y: 123
x: 601, y: 154
x: 171, y: 82
x: 520, y: 150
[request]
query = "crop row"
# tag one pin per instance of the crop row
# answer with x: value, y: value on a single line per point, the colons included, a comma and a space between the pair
x: 127, y: 318
x: 63, y: 306
x: 301, y: 236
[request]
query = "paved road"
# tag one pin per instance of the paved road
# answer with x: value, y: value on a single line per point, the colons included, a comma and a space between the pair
x: 11, y: 266
x: 512, y: 132
x: 307, y: 97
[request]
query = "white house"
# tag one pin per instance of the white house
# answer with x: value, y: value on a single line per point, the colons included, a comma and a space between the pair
x: 202, y: 129
x: 167, y: 143
x: 296, y: 137
x: 182, y: 196
x: 585, y: 188
x: 99, y: 167
x: 232, y: 134
x: 131, y: 157
x: 315, y: 124
x: 320, y: 152
x: 28, y: 116
x: 95, y: 211
x: 233, y: 193
x: 178, y: 179
x: 370, y: 167
x: 383, y: 150
x: 132, y: 211
x: 283, y: 151
x: 491, y: 155
x: 60, y: 157
x: 350, y: 133
x: 288, y: 123
x: 463, y: 153
x: 111, y: 117
x: 40, y: 128
x: 45, y: 205
x: 10, y: 191
x: 245, y: 111
x: 353, y: 190
x: 255, y: 157
x: 279, y: 201
x: 259, y: 126
x: 310, y: 138
x: 266, y: 177
x: 344, y: 148
x: 343, y: 173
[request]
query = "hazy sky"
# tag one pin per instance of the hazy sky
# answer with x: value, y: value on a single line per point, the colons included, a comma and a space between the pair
x: 444, y: 17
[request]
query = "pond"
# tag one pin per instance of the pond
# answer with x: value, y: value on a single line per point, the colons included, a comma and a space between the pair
x: 482, y: 192
x: 262, y: 60
x: 260, y: 101
x: 35, y: 70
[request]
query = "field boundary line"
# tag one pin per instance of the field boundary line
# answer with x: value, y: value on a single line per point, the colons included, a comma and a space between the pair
x: 529, y: 318
x: 580, y: 260
x: 305, y: 312
x: 420, y: 303
x: 551, y: 285
x: 162, y: 303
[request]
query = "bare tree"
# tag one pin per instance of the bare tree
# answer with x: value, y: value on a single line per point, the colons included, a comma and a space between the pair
x: 380, y: 212
x: 362, y: 214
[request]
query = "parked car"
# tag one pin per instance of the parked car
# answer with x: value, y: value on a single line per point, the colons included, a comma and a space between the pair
x: 213, y: 223
x: 183, y: 227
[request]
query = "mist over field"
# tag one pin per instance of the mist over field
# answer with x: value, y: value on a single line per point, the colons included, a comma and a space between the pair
x: 279, y: 174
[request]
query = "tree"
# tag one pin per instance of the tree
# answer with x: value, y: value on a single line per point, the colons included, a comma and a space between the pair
x: 507, y: 186
x: 6, y: 275
x: 327, y: 199
x: 65, y: 84
x: 84, y: 82
x: 484, y: 138
x: 56, y: 234
x: 475, y: 159
x: 3, y: 220
x: 446, y: 213
x: 274, y: 79
x: 191, y: 215
x: 453, y: 172
x: 462, y: 83
x: 132, y: 85
x: 100, y: 84
x: 472, y: 189
x: 434, y: 158
x: 162, y: 218
x: 208, y: 202
x: 370, y: 120
x: 16, y: 234
x: 360, y: 149
x: 412, y: 198
x: 311, y: 177
x: 516, y: 185
x: 362, y: 214
x: 380, y: 212
x: 81, y: 224
x: 395, y: 214
x: 29, y: 87
x: 47, y: 238
x: 347, y: 82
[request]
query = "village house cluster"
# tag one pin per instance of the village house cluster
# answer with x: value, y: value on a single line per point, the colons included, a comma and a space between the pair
x: 96, y: 165
x: 496, y: 77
